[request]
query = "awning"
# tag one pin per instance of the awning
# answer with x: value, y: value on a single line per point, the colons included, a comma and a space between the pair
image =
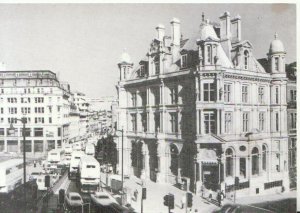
x: 207, y: 156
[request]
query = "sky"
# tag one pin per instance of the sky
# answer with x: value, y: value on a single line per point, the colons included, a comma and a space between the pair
x: 83, y: 43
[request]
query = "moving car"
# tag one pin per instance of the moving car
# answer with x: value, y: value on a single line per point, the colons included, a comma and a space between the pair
x: 102, y: 199
x: 73, y: 200
x: 103, y: 202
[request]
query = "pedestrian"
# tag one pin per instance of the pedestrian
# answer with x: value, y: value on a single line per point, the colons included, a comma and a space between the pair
x: 222, y: 197
x: 34, y: 163
x: 136, y: 194
x: 219, y: 198
x: 183, y: 200
x: 202, y: 190
x: 210, y: 195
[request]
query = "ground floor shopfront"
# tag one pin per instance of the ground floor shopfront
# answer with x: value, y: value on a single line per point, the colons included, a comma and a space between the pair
x: 238, y: 168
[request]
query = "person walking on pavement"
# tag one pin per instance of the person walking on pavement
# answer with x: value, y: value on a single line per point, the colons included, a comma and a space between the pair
x: 202, y: 190
x: 222, y: 197
x: 183, y: 200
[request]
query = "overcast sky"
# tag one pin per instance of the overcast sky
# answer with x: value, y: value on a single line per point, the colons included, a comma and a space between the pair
x: 82, y: 43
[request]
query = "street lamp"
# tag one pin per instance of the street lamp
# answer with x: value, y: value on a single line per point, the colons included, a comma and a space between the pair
x: 11, y: 131
x: 122, y: 171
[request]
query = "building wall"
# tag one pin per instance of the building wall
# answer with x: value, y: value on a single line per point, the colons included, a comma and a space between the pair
x: 41, y: 93
x: 200, y: 123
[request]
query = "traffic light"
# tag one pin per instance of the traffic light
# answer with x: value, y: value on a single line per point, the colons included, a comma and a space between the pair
x: 34, y: 192
x: 171, y: 201
x: 61, y: 196
x: 166, y: 200
x: 189, y: 199
x: 47, y: 181
x: 236, y: 181
x: 144, y: 191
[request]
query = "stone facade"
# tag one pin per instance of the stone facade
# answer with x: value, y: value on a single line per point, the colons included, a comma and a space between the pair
x: 205, y: 110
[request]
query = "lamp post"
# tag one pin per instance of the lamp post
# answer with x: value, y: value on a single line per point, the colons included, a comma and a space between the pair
x: 12, y: 129
x: 122, y: 165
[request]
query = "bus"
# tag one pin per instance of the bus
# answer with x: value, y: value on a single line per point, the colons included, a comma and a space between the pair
x: 55, y: 157
x: 11, y: 175
x: 88, y: 174
x: 75, y: 159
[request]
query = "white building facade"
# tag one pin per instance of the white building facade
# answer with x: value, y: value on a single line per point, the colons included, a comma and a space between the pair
x: 38, y: 96
x: 204, y: 108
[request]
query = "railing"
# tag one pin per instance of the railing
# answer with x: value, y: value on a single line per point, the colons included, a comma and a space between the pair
x: 240, y: 186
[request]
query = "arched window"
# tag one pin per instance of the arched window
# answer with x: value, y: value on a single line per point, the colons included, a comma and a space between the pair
x: 246, y: 59
x: 264, y: 157
x: 255, y: 161
x: 229, y: 162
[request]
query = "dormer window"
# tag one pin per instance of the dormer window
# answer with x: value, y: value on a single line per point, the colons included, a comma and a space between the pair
x: 184, y: 61
x: 246, y: 59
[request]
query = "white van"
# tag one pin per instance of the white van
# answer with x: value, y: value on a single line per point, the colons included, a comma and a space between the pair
x: 90, y: 149
x: 55, y: 157
x: 75, y: 159
x: 89, y: 174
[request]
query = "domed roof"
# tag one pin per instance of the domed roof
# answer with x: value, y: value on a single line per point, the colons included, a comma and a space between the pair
x: 276, y: 45
x: 125, y: 57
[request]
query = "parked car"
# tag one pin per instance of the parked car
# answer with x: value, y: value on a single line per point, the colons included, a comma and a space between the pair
x: 102, y: 199
x: 73, y: 200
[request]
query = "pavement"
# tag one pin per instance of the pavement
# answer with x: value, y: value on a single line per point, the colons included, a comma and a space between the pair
x: 155, y: 193
x: 264, y: 198
x: 154, y: 197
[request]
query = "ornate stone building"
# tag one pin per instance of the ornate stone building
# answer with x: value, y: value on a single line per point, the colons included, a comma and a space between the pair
x: 205, y: 109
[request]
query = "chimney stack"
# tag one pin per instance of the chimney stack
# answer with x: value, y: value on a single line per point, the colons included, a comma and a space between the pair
x: 236, y: 31
x: 225, y: 26
x: 160, y: 32
x: 176, y: 31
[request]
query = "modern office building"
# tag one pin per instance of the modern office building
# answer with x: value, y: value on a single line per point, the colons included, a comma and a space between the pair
x: 201, y: 108
x: 43, y: 100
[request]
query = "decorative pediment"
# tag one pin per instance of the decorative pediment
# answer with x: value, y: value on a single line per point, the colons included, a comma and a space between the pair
x: 211, y: 39
x: 245, y: 44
